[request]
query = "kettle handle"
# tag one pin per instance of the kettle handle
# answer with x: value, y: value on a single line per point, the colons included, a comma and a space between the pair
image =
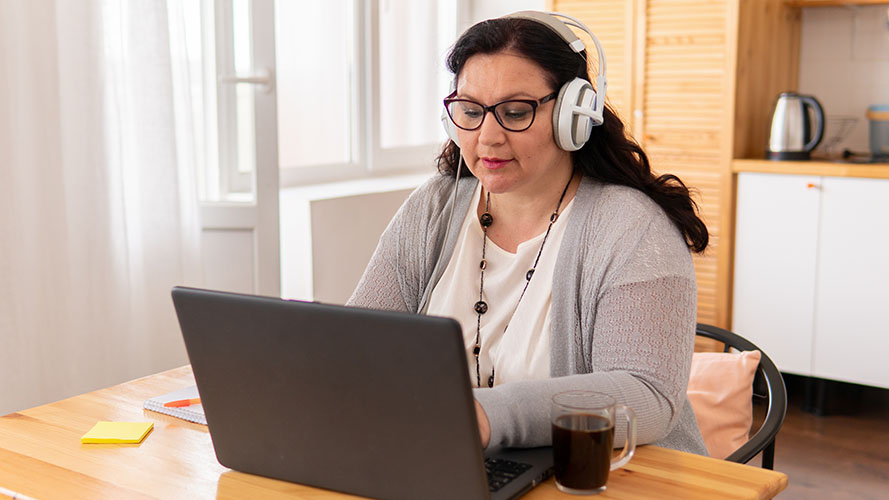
x: 810, y: 101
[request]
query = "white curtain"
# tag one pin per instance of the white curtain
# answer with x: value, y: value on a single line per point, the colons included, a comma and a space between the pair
x: 97, y: 199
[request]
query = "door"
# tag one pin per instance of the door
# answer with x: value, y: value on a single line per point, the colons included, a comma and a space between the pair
x: 776, y: 246
x: 684, y: 108
x: 239, y: 214
x: 851, y: 313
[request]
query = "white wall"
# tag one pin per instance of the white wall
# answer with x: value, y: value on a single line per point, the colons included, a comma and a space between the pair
x: 329, y: 232
x: 219, y: 249
x: 844, y: 63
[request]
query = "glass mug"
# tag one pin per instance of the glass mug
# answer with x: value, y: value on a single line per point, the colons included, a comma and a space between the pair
x: 583, y: 440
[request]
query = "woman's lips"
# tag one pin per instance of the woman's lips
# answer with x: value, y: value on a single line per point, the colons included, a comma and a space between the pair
x: 494, y: 163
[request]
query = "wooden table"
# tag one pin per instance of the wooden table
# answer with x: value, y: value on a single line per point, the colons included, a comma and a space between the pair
x: 41, y: 456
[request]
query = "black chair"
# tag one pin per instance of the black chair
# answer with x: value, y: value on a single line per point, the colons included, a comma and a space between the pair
x: 768, y: 383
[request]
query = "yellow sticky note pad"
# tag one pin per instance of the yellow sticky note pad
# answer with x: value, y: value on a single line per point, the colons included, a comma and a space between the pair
x: 117, y: 432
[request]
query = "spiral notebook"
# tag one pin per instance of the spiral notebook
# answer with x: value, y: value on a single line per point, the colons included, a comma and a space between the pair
x: 193, y: 413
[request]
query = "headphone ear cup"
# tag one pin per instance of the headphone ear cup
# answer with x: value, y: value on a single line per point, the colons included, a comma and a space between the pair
x: 583, y: 123
x: 571, y: 130
x: 449, y: 126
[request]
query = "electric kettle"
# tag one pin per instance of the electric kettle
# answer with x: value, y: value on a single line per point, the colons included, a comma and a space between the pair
x: 793, y: 135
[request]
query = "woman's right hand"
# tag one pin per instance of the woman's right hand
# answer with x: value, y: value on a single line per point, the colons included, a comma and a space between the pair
x: 484, y: 426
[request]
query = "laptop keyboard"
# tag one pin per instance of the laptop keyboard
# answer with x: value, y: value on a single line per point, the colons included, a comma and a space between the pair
x: 501, y: 471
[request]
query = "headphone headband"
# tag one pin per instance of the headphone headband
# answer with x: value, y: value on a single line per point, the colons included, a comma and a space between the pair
x: 559, y: 27
x: 554, y: 24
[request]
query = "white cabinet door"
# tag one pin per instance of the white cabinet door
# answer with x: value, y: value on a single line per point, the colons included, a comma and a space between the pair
x: 776, y: 237
x: 852, y: 304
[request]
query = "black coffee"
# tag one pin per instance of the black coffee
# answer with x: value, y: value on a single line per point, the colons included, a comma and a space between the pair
x: 582, y: 446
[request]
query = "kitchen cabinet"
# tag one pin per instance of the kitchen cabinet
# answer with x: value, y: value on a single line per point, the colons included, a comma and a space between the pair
x: 811, y: 283
x: 776, y: 231
x: 851, y: 335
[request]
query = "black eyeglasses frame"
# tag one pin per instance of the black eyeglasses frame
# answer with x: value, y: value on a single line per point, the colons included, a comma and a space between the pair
x: 450, y: 99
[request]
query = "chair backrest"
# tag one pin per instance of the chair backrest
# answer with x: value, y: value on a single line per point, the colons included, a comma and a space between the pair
x: 767, y: 376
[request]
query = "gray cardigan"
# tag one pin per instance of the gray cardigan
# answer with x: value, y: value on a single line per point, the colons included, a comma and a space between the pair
x: 623, y: 308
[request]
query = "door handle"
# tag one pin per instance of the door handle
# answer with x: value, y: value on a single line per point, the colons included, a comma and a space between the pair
x: 264, y: 79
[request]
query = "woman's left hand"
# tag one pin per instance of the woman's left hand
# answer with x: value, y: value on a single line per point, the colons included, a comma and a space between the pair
x: 484, y: 426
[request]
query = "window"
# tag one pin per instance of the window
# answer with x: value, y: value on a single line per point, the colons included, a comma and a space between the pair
x: 315, y: 53
x: 413, y: 40
x: 234, y: 57
x: 358, y: 85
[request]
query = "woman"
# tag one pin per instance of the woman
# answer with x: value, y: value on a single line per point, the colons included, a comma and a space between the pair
x: 567, y: 270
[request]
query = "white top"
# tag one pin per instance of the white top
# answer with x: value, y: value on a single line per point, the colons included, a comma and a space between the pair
x: 521, y: 352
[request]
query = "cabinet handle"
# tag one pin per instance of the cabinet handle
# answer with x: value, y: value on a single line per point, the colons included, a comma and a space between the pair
x: 812, y: 185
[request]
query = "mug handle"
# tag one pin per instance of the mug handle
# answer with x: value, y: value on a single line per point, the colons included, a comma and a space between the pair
x: 630, y: 445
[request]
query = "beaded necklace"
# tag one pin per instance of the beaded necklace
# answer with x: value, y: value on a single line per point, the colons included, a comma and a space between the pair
x: 481, y: 307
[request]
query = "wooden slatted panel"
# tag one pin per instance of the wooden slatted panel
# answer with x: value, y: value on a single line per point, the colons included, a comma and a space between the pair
x: 686, y: 85
x: 703, y: 344
x: 610, y: 20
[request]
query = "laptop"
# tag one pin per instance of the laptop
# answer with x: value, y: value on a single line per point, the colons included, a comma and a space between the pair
x: 372, y: 403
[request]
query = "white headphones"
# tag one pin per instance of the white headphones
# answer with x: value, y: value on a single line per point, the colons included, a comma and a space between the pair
x: 578, y: 107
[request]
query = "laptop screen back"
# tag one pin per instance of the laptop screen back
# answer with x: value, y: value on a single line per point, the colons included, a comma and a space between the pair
x: 367, y: 402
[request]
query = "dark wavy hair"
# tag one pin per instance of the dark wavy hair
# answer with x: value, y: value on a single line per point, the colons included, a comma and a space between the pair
x: 610, y: 155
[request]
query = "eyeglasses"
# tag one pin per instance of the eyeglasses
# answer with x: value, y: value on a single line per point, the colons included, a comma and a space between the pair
x: 514, y: 115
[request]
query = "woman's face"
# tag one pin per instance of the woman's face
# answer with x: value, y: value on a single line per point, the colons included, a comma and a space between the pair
x: 526, y: 163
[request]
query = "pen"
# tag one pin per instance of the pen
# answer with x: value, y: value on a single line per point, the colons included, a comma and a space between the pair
x: 183, y: 402
x: 13, y: 495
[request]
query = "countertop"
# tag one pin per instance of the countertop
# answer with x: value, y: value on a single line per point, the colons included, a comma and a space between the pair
x: 837, y: 168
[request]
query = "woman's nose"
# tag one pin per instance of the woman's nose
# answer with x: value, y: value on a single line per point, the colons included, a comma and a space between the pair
x: 491, y: 132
